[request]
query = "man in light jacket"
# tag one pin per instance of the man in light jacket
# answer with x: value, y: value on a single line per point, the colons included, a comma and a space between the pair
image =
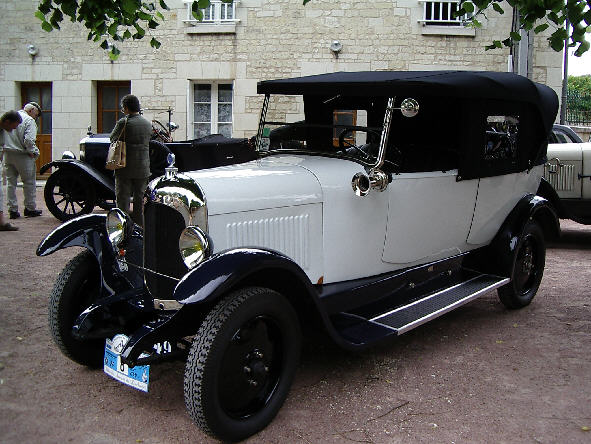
x: 20, y: 152
x: 9, y: 121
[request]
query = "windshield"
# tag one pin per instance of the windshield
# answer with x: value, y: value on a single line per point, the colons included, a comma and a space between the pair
x: 337, y: 126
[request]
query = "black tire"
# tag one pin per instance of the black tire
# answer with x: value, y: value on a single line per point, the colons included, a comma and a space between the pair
x: 242, y: 363
x: 527, y: 268
x: 76, y: 287
x: 69, y: 194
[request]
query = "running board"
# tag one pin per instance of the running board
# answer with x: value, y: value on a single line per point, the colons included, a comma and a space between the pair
x: 410, y: 316
x: 358, y: 331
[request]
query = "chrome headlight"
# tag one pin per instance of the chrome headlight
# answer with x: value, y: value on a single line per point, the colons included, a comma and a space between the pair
x: 194, y: 246
x: 118, y: 225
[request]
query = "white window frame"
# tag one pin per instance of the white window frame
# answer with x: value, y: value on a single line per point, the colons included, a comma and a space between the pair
x: 215, y: 18
x: 445, y: 9
x: 214, y: 118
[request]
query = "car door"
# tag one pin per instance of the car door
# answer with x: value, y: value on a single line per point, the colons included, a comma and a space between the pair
x: 429, y: 216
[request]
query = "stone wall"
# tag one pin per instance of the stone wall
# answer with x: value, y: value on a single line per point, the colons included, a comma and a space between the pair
x: 274, y: 39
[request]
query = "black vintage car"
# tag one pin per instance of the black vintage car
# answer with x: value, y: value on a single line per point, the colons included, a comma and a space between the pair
x: 76, y: 187
x: 345, y: 219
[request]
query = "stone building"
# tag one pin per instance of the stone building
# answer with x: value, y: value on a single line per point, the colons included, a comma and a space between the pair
x: 207, y: 71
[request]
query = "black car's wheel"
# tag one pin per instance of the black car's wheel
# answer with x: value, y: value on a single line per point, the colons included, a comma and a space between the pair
x: 76, y: 287
x: 242, y: 363
x: 527, y: 268
x: 68, y: 195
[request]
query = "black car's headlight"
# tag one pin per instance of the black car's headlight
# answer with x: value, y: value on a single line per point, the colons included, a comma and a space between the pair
x: 118, y: 226
x: 194, y: 246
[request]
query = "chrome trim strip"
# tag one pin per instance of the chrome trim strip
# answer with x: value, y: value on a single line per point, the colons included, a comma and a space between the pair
x: 385, y: 133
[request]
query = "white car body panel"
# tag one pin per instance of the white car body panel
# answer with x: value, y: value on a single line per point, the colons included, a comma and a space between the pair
x: 256, y: 185
x: 497, y: 196
x: 429, y: 216
x: 354, y: 227
x: 295, y: 231
x: 565, y: 164
x: 586, y: 168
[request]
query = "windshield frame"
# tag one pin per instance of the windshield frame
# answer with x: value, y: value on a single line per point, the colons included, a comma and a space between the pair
x: 371, y: 163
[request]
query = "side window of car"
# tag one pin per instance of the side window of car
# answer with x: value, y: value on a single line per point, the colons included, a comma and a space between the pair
x: 502, y: 133
x: 559, y: 137
x: 430, y: 141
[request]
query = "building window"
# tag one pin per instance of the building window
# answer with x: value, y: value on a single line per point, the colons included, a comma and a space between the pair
x: 212, y: 109
x: 218, y: 17
x: 109, y: 96
x: 442, y: 13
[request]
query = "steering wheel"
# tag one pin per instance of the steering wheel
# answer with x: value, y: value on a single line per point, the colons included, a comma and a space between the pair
x: 160, y: 131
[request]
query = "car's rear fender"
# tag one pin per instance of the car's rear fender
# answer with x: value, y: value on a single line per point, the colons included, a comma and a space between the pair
x: 501, y: 251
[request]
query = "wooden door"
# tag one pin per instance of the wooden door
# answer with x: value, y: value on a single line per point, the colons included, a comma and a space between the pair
x: 40, y: 92
x: 109, y: 104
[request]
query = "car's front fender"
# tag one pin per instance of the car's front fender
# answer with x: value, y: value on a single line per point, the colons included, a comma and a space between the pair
x: 104, y: 184
x: 225, y: 270
x: 84, y: 231
x: 89, y: 232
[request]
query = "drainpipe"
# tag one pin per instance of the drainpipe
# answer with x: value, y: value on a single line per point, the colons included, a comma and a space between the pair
x: 563, y: 100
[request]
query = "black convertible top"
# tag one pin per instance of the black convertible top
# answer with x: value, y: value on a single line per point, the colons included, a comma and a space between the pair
x: 460, y: 84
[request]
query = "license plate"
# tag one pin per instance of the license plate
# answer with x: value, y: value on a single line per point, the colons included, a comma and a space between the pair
x: 137, y: 377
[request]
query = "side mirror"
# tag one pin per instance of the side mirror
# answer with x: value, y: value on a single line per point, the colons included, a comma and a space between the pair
x: 409, y: 107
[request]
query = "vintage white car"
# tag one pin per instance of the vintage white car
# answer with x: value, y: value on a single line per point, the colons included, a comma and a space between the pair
x: 567, y: 176
x: 377, y: 202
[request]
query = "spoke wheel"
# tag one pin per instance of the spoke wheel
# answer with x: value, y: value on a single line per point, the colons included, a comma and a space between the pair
x: 527, y: 270
x: 242, y: 363
x: 68, y: 195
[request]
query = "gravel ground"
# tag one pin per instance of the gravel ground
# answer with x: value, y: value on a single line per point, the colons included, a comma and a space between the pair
x: 479, y: 374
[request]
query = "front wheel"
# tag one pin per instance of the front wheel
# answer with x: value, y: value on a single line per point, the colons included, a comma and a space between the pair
x: 242, y: 363
x: 527, y: 268
x: 68, y: 195
x: 75, y: 289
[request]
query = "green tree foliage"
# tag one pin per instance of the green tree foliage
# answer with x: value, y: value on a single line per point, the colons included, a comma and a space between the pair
x: 579, y: 99
x: 539, y: 15
x: 581, y: 84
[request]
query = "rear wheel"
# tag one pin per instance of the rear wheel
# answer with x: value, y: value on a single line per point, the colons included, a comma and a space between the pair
x: 242, y: 363
x: 68, y: 195
x: 527, y: 268
x: 76, y: 288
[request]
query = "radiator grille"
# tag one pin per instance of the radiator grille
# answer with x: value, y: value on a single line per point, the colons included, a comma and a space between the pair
x: 162, y: 228
x: 562, y: 178
x: 289, y: 235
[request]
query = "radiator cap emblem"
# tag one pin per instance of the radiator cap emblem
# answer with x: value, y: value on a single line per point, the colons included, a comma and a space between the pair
x: 170, y: 170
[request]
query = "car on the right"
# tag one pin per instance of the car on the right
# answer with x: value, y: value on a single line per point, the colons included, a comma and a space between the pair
x: 567, y: 175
